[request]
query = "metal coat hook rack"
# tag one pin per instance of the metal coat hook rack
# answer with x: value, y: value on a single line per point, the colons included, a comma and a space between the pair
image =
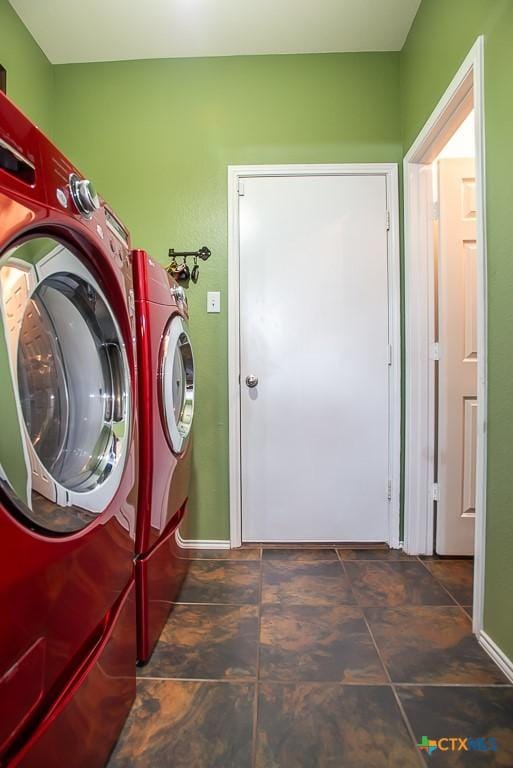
x: 181, y: 272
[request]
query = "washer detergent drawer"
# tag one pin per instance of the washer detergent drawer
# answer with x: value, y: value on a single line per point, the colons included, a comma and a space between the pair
x: 87, y: 718
x: 21, y: 690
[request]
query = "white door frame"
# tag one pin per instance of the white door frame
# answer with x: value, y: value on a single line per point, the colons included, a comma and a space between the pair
x: 236, y: 176
x: 464, y: 92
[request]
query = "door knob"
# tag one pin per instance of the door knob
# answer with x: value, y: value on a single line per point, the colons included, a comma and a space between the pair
x: 251, y: 381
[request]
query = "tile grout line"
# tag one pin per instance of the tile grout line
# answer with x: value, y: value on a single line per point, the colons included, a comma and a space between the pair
x: 256, y: 693
x: 453, y: 685
x: 321, y: 683
x: 467, y: 615
x: 402, y: 712
x: 233, y: 605
x: 350, y: 584
x: 224, y: 560
x: 235, y: 567
x: 215, y: 680
x: 378, y: 652
x: 453, y: 604
x: 408, y: 726
x: 403, y: 562
x: 440, y: 583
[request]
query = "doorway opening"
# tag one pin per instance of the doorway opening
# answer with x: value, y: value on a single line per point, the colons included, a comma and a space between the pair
x: 445, y: 320
x: 455, y: 343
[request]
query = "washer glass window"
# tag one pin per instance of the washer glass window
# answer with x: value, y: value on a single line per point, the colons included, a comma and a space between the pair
x: 63, y: 363
x: 177, y: 385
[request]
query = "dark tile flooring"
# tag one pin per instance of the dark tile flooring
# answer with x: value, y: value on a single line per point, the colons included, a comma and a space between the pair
x: 317, y: 658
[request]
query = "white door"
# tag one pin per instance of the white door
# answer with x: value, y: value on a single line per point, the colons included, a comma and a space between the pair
x: 457, y: 389
x: 314, y: 332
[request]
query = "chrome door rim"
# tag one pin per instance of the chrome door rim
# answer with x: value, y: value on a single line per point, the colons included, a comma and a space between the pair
x: 177, y: 431
x: 77, y: 507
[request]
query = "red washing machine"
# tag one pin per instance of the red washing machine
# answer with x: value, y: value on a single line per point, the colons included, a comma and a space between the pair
x: 68, y: 460
x: 166, y: 405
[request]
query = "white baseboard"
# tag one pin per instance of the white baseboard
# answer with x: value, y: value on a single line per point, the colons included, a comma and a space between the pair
x: 202, y: 543
x: 499, y: 657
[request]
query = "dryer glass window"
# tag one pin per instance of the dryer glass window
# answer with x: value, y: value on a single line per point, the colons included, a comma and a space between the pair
x: 177, y: 384
x: 70, y: 392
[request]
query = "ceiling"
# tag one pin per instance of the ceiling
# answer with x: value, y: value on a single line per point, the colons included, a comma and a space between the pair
x: 107, y: 30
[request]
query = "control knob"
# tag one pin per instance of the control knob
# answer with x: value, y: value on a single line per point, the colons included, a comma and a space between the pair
x: 84, y: 196
x: 179, y: 294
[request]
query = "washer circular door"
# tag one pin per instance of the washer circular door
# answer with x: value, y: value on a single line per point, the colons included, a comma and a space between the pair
x: 177, y: 383
x: 65, y: 380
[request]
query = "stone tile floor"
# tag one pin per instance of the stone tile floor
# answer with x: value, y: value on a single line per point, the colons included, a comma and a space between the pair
x: 317, y: 658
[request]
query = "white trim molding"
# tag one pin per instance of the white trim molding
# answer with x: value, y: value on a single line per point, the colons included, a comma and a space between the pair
x: 504, y: 663
x: 466, y: 91
x: 236, y: 174
x: 202, y: 543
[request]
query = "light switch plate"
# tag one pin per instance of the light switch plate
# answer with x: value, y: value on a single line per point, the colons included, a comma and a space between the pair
x: 213, y: 301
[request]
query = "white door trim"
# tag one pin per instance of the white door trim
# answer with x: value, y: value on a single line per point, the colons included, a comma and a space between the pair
x: 236, y: 175
x: 466, y: 88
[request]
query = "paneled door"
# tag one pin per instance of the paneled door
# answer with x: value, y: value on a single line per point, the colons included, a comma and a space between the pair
x: 457, y: 388
x: 315, y: 358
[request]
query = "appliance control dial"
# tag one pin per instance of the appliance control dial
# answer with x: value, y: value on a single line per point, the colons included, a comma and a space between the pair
x: 179, y: 294
x: 84, y: 196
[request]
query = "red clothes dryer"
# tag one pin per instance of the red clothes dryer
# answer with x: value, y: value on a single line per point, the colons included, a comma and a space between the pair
x: 166, y: 406
x: 68, y: 459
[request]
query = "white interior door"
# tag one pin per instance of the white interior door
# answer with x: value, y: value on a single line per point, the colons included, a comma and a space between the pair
x: 314, y: 331
x: 457, y: 391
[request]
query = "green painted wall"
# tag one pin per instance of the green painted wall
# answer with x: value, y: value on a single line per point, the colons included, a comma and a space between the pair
x: 29, y: 73
x: 442, y: 34
x: 157, y: 137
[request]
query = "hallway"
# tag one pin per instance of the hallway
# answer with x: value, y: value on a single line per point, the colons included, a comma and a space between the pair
x: 312, y: 658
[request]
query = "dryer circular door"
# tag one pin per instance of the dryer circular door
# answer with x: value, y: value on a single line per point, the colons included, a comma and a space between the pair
x: 177, y: 383
x: 65, y: 389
